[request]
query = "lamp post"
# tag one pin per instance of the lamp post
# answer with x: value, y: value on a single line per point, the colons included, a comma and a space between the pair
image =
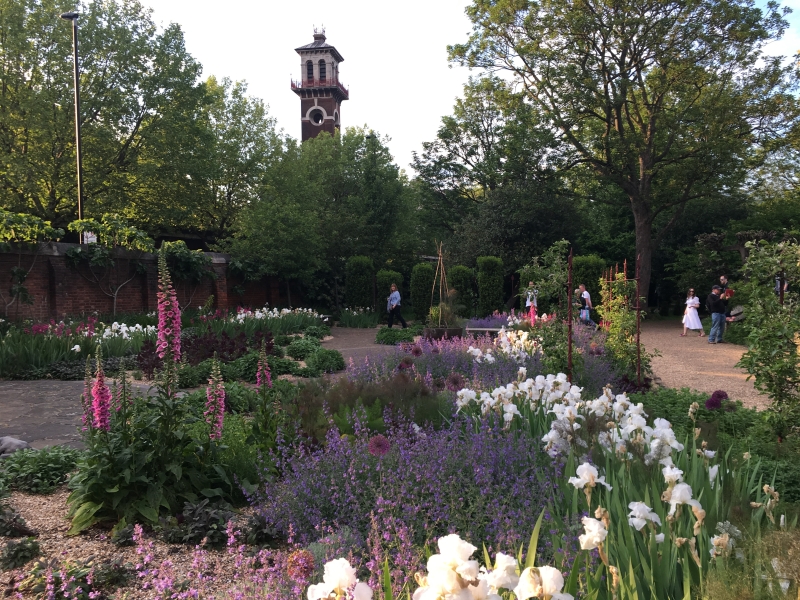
x: 73, y: 16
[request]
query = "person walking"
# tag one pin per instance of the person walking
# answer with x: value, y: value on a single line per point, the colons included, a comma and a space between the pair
x: 717, y: 306
x: 691, y: 320
x: 586, y: 307
x: 393, y: 307
x: 530, y: 302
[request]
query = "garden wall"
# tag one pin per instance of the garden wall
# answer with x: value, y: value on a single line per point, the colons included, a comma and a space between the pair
x: 57, y: 289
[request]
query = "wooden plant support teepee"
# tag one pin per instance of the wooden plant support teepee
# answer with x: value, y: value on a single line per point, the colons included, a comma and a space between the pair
x: 441, y: 279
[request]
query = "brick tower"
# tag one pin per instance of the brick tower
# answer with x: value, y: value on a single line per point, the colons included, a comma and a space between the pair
x: 321, y: 93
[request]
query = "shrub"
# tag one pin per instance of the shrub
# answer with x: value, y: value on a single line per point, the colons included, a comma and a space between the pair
x: 394, y: 336
x: 317, y: 331
x: 326, y: 360
x: 490, y: 284
x: 422, y: 277
x: 462, y: 280
x: 284, y: 340
x: 198, y: 522
x: 17, y: 554
x: 39, y: 471
x: 383, y: 280
x: 12, y: 524
x: 239, y: 398
x: 302, y: 348
x: 281, y: 366
x: 359, y: 281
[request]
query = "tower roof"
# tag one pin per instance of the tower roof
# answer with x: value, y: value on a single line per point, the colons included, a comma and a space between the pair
x: 319, y: 43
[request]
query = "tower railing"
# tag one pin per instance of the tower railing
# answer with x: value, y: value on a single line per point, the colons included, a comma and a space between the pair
x: 319, y: 83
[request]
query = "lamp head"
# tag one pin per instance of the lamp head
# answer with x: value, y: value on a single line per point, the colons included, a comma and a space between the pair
x: 69, y: 16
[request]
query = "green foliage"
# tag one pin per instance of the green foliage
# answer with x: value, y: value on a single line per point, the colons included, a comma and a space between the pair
x: 18, y: 554
x: 384, y: 278
x: 302, y: 348
x: 549, y: 273
x: 618, y: 310
x: 148, y: 463
x: 462, y: 280
x: 284, y: 340
x: 189, y: 266
x: 773, y: 357
x: 112, y: 231
x: 490, y: 284
x: 318, y: 331
x: 39, y: 471
x: 588, y: 270
x: 422, y: 277
x: 239, y: 398
x: 20, y: 231
x: 325, y: 360
x: 12, y: 524
x: 201, y: 521
x: 359, y: 281
x: 362, y: 318
x: 76, y: 580
x: 395, y: 335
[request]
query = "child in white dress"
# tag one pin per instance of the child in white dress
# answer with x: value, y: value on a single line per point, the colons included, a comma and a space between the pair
x: 691, y: 320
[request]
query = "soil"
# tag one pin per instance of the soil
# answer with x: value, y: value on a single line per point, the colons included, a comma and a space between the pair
x: 691, y: 362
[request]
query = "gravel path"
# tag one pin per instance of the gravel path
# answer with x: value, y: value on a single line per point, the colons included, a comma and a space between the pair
x: 694, y: 363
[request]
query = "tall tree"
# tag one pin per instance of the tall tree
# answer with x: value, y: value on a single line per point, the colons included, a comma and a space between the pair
x: 663, y: 99
x: 134, y: 77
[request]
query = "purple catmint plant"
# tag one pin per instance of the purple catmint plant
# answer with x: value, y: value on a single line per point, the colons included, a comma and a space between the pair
x: 169, y: 314
x: 215, y: 402
x: 101, y: 398
x: 487, y: 484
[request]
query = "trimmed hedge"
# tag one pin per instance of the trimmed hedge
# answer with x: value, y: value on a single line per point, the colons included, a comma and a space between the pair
x: 462, y: 280
x: 490, y: 285
x: 359, y: 276
x: 421, y: 284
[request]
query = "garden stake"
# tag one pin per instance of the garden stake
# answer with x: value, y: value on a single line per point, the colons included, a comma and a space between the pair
x: 569, y: 316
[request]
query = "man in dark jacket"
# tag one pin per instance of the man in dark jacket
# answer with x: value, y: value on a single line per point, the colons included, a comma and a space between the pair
x: 717, y: 306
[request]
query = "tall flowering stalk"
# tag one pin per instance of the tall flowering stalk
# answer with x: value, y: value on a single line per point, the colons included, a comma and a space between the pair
x: 215, y: 402
x: 263, y: 375
x: 101, y: 398
x: 169, y: 314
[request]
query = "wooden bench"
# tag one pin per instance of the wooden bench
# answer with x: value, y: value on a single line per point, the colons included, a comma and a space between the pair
x: 489, y: 330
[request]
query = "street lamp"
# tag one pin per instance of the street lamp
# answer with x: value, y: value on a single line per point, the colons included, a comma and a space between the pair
x: 73, y: 16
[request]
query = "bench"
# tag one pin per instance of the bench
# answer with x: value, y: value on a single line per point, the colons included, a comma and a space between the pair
x: 489, y: 330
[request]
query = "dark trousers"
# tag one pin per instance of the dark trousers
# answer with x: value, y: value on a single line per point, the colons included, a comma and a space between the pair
x: 395, y: 313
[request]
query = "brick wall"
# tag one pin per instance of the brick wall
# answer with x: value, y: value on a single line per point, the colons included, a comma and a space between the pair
x: 59, y: 290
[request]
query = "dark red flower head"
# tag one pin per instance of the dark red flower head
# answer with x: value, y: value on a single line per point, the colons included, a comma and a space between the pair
x: 379, y: 445
x: 716, y: 400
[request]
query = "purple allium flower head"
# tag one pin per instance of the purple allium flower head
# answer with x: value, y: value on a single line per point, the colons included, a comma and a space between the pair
x: 300, y: 565
x: 378, y: 445
x: 455, y: 382
x: 716, y: 400
x: 416, y: 351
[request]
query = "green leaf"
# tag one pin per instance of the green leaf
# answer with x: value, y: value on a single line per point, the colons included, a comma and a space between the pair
x: 84, y: 517
x: 148, y: 512
x: 530, y: 558
x: 387, y: 582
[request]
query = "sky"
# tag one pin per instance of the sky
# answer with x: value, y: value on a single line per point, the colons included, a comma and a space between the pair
x: 395, y: 57
x: 395, y: 66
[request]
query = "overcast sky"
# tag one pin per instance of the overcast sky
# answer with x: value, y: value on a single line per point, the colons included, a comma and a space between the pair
x: 395, y: 56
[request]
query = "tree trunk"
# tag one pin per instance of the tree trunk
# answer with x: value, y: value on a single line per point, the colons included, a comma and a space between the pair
x: 644, y: 249
x: 288, y: 294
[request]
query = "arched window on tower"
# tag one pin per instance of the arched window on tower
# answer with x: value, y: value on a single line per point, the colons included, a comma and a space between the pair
x: 322, y: 70
x: 310, y: 70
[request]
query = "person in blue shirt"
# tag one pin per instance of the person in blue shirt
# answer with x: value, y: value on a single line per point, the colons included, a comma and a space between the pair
x: 393, y: 308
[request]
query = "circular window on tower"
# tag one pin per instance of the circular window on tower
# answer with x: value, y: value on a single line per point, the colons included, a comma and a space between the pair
x: 317, y: 116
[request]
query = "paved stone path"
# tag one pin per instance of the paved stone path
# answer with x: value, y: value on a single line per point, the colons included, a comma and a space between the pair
x: 47, y: 412
x: 694, y: 363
